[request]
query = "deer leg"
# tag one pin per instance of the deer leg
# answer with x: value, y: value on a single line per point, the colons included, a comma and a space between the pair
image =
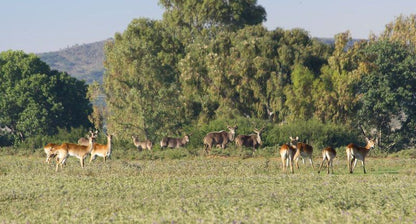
x: 352, y: 164
x: 355, y: 163
x: 92, y: 158
x: 310, y: 160
x: 364, y: 165
x: 283, y: 163
x: 81, y: 160
x: 297, y: 161
x: 291, y: 164
x: 57, y: 164
x: 323, y: 160
x: 329, y: 161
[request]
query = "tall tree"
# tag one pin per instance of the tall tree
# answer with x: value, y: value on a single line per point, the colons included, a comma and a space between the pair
x: 388, y: 93
x: 141, y: 80
x: 205, y: 14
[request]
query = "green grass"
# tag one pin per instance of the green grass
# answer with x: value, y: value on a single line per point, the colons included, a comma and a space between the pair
x: 198, y: 189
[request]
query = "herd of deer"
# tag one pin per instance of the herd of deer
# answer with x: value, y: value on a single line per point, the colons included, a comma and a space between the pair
x: 289, y: 153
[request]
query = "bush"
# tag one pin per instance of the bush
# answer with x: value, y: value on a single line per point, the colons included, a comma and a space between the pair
x: 63, y: 135
x: 313, y: 132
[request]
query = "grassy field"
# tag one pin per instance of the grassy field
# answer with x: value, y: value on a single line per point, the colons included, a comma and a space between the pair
x: 205, y: 190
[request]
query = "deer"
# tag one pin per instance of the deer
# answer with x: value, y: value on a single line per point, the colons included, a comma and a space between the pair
x: 69, y: 149
x: 303, y: 151
x: 102, y: 150
x: 48, y: 150
x: 355, y: 152
x: 287, y: 153
x: 141, y: 145
x: 221, y: 138
x: 328, y: 154
x: 84, y: 141
x: 174, y: 142
x: 253, y: 140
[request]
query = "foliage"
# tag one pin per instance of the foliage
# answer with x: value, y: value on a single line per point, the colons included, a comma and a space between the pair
x: 140, y: 85
x: 388, y: 89
x: 203, y: 65
x: 314, y: 132
x: 36, y: 100
x: 199, y: 15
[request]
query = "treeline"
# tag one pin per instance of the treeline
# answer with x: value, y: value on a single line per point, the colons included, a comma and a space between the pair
x: 213, y: 60
x: 208, y: 64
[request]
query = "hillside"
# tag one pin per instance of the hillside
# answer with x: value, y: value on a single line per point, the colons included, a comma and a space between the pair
x: 84, y: 61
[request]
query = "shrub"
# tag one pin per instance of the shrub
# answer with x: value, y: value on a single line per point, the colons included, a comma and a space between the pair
x: 313, y: 132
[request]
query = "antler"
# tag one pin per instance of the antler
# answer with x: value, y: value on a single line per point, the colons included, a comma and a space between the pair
x: 363, y: 131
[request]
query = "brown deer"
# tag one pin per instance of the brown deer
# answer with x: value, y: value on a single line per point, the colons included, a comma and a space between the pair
x: 328, y: 154
x: 174, y: 142
x: 253, y: 140
x: 355, y: 152
x: 48, y: 150
x: 221, y: 138
x: 287, y: 153
x: 84, y: 141
x: 142, y: 145
x: 69, y: 149
x: 102, y: 150
x: 303, y: 151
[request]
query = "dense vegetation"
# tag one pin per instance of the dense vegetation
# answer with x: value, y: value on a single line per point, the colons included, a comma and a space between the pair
x: 217, y: 62
x: 36, y: 101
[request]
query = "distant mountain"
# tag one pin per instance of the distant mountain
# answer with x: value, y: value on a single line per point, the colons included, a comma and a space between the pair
x: 84, y: 61
x: 331, y: 41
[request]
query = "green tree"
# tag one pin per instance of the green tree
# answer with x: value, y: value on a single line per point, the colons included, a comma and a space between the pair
x: 334, y: 92
x: 299, y: 96
x: 200, y: 15
x: 388, y: 94
x: 140, y: 83
x: 36, y: 100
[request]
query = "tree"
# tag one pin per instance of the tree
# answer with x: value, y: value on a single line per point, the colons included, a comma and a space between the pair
x: 206, y: 14
x: 299, y: 96
x: 36, y: 100
x: 140, y: 83
x: 388, y: 94
x: 334, y: 92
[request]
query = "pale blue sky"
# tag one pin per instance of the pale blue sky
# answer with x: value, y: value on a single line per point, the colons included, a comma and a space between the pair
x: 49, y: 25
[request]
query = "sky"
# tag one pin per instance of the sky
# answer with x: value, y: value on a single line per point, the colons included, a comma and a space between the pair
x: 37, y: 26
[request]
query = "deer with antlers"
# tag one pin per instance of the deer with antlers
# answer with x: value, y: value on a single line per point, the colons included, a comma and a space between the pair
x: 355, y: 152
x: 253, y: 141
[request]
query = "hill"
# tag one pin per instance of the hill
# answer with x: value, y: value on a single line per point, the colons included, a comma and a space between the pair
x: 84, y: 61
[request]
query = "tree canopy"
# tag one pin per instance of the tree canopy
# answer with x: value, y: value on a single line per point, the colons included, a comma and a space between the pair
x: 209, y: 60
x: 35, y: 100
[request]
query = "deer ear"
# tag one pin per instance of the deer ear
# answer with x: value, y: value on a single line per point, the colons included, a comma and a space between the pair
x: 297, y: 138
x: 290, y: 138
